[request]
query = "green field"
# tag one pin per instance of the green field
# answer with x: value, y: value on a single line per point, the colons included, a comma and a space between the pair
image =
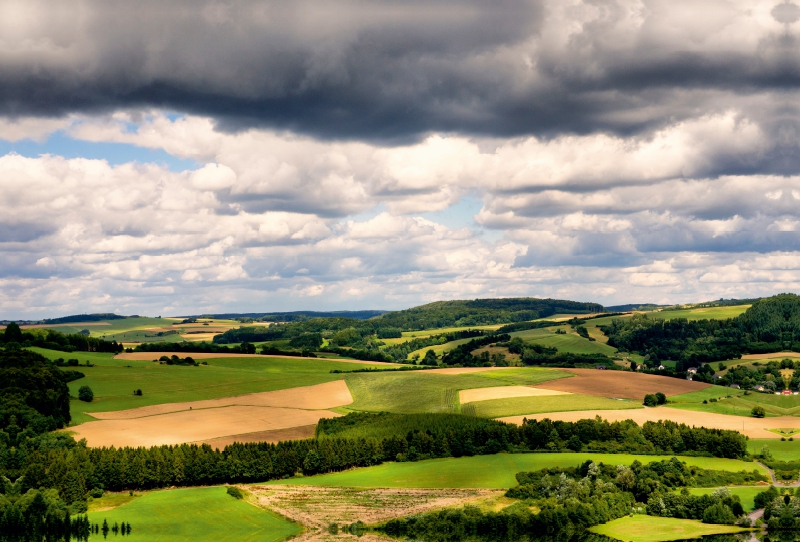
x: 488, y: 471
x: 517, y: 406
x: 198, y: 514
x: 738, y: 404
x: 746, y: 494
x: 439, y: 349
x: 641, y: 528
x: 712, y: 392
x: 574, y: 343
x: 717, y: 313
x: 782, y: 450
x: 113, y: 383
x: 419, y: 392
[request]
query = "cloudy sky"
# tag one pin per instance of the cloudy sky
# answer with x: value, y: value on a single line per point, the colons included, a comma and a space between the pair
x: 198, y: 156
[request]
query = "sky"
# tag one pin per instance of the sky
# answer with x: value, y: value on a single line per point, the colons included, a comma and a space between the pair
x: 189, y: 157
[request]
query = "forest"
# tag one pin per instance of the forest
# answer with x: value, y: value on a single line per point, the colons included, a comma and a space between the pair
x: 769, y: 325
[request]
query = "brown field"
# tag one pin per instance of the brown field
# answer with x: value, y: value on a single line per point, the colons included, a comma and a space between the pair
x: 318, y: 507
x: 318, y: 397
x: 149, y: 356
x: 273, y: 437
x: 752, y: 427
x: 619, y: 384
x: 772, y: 355
x: 504, y: 392
x: 197, y: 337
x: 467, y: 370
x: 195, y: 425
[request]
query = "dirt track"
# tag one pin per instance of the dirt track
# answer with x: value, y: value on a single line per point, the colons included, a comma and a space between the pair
x: 619, y: 384
x: 752, y: 427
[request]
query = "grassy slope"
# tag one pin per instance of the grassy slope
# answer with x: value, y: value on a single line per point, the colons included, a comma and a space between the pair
x: 574, y: 343
x: 746, y: 494
x: 717, y: 313
x: 198, y: 514
x: 488, y: 471
x: 114, y: 381
x: 426, y: 392
x: 516, y: 406
x: 656, y: 529
x: 734, y: 402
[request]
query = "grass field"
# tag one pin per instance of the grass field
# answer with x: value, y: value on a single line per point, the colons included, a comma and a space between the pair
x: 488, y: 471
x: 425, y: 392
x: 746, y: 494
x: 514, y: 406
x: 712, y: 392
x: 738, y: 403
x: 574, y: 343
x: 439, y: 349
x: 717, y: 313
x: 782, y: 450
x: 198, y: 514
x: 641, y: 528
x: 113, y: 384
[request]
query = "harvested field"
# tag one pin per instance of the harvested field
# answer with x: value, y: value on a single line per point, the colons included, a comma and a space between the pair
x: 318, y: 507
x: 504, y: 392
x: 149, y: 356
x: 625, y: 385
x: 772, y: 355
x: 751, y: 427
x: 273, y: 437
x: 467, y: 370
x: 195, y: 425
x: 319, y: 397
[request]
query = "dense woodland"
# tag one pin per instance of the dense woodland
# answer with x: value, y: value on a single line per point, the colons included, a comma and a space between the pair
x: 769, y: 325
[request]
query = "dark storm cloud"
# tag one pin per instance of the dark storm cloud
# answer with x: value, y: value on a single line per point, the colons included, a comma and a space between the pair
x: 392, y: 69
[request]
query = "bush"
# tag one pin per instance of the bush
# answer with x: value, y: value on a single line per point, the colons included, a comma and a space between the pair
x: 650, y: 400
x: 235, y: 492
x: 661, y: 398
x: 86, y: 394
x: 96, y: 492
x: 718, y: 514
x: 758, y: 412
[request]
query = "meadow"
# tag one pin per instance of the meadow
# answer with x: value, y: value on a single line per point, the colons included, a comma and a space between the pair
x: 197, y: 514
x: 639, y: 528
x: 736, y: 403
x: 701, y: 313
x: 488, y: 471
x: 781, y: 450
x: 746, y: 494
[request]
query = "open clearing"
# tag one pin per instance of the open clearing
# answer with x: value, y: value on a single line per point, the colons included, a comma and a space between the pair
x: 752, y: 427
x: 206, y: 514
x: 640, y: 528
x: 487, y: 471
x: 318, y: 507
x: 497, y: 408
x: 626, y: 385
x: 504, y: 392
x: 319, y: 397
x: 195, y: 425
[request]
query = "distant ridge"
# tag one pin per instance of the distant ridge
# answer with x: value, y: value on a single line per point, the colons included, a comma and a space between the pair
x: 635, y: 307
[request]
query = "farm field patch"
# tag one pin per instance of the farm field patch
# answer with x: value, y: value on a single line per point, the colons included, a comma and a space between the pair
x: 626, y: 385
x: 113, y: 384
x: 739, y: 404
x: 487, y: 471
x: 746, y: 494
x: 573, y: 343
x: 700, y: 313
x: 496, y: 408
x: 318, y: 507
x: 430, y: 391
x: 200, y: 514
x: 504, y: 392
x: 640, y: 528
x: 274, y: 436
x: 194, y: 425
x: 751, y: 427
x: 782, y: 450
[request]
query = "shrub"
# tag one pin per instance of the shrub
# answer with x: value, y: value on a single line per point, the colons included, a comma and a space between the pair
x: 719, y: 514
x: 650, y: 400
x: 86, y: 394
x: 235, y: 492
x: 661, y: 398
x: 758, y: 412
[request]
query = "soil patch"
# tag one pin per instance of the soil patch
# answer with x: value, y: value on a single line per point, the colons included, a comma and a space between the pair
x: 752, y: 427
x: 319, y: 397
x: 467, y: 370
x: 504, y: 392
x: 621, y: 384
x: 195, y: 425
x: 317, y: 508
x: 273, y: 437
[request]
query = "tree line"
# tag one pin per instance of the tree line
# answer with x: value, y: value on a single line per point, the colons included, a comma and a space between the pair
x: 14, y: 337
